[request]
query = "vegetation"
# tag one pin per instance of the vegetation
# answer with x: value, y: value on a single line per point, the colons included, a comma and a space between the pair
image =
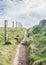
x: 37, y: 45
x: 7, y: 50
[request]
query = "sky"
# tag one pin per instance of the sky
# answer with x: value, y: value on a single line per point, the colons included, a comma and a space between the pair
x: 28, y: 12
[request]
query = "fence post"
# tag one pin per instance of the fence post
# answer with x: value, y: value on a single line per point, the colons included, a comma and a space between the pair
x: 6, y: 31
x: 13, y: 26
x: 16, y: 24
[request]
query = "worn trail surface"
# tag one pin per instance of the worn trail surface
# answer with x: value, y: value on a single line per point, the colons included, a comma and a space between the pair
x: 21, y: 56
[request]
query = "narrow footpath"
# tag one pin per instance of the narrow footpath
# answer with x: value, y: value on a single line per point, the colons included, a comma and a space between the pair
x: 21, y: 56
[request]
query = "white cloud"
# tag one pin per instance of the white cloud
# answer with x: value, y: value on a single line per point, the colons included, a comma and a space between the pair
x: 24, y: 11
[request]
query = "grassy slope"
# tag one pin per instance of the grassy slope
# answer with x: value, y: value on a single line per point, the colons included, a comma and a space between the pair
x: 7, y: 51
x: 37, y: 45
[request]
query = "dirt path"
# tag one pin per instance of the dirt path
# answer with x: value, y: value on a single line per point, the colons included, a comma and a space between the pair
x: 21, y: 56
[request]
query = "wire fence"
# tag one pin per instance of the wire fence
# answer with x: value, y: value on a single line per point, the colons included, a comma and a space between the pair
x: 5, y: 26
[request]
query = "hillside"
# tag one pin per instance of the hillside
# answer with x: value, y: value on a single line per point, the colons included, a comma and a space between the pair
x: 7, y: 50
x: 37, y: 44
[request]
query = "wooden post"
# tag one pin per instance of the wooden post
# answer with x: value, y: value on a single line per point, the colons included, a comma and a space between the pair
x: 6, y: 31
x: 16, y: 24
x: 13, y: 26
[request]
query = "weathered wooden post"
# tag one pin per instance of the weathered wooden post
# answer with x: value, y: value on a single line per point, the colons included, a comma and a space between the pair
x: 16, y: 24
x: 6, y: 31
x: 13, y: 26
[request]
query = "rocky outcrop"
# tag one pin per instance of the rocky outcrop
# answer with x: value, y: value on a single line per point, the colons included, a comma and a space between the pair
x: 42, y: 23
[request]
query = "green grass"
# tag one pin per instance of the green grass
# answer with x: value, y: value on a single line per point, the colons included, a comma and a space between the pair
x: 7, y: 51
x: 37, y: 45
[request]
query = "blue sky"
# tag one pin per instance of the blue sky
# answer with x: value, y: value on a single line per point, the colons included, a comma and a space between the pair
x: 28, y: 12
